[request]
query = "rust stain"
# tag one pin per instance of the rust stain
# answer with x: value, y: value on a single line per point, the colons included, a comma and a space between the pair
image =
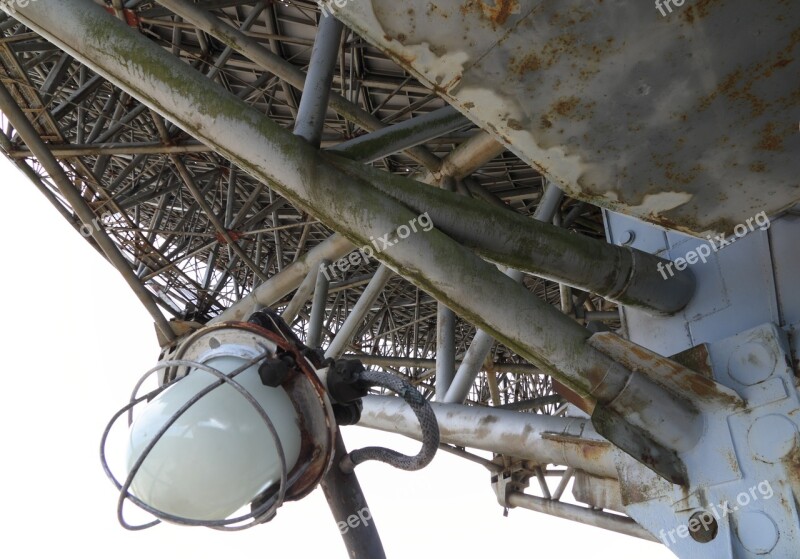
x: 514, y: 124
x: 498, y: 13
x: 682, y: 178
x: 529, y: 63
x: 593, y: 451
x: 701, y: 385
x: 699, y: 10
x: 566, y: 106
x: 501, y: 11
x: 792, y: 464
x: 696, y: 359
x: 770, y: 140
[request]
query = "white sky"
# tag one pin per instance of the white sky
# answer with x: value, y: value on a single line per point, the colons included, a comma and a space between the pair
x: 78, y: 339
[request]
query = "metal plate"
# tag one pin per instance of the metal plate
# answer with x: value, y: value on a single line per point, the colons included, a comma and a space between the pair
x: 687, y: 120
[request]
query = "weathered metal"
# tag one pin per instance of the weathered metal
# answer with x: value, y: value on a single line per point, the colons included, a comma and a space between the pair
x: 282, y: 284
x: 407, y: 134
x: 618, y: 273
x: 599, y: 519
x: 614, y: 101
x: 542, y: 439
x: 339, y: 343
x: 31, y: 137
x: 295, y: 169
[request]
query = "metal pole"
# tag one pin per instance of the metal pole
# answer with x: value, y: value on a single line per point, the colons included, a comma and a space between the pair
x: 607, y: 521
x: 342, y: 490
x: 394, y: 362
x: 542, y: 439
x: 470, y: 155
x: 483, y: 341
x: 317, y: 89
x: 359, y: 312
x: 618, y: 273
x: 466, y: 158
x: 30, y: 136
x: 347, y: 202
x: 346, y: 499
x: 318, y: 308
x: 301, y: 296
x: 280, y: 285
x: 407, y: 134
x: 317, y: 319
x: 445, y: 350
x: 285, y: 70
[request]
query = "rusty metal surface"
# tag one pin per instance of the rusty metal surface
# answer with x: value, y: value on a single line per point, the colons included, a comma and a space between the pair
x: 686, y: 120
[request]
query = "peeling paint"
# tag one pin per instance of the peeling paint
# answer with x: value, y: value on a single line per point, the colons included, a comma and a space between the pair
x: 677, y: 121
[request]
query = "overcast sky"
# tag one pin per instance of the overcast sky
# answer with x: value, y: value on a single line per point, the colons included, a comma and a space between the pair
x: 78, y: 339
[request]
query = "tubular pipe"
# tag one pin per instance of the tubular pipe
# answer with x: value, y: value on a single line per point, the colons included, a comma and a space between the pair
x: 445, y: 350
x: 407, y: 134
x: 283, y: 283
x: 359, y: 312
x: 349, y: 204
x: 30, y: 136
x: 621, y: 274
x: 394, y: 362
x: 482, y: 342
x: 543, y: 439
x: 286, y: 71
x: 615, y: 523
x: 314, y: 102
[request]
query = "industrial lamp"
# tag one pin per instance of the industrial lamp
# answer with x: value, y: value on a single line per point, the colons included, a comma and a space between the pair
x: 240, y: 419
x: 246, y: 415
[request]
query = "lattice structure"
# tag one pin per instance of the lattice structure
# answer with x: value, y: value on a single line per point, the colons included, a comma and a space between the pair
x: 200, y: 234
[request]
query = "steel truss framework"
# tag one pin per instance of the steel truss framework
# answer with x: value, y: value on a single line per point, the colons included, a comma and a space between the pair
x: 200, y: 235
x: 238, y: 213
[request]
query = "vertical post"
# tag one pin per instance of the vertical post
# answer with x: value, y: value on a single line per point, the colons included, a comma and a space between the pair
x: 314, y: 103
x: 318, y: 307
x: 445, y: 350
x: 345, y: 500
x: 342, y: 490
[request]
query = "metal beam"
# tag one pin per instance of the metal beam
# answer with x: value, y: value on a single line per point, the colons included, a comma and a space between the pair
x: 280, y: 285
x: 271, y: 62
x: 395, y: 362
x: 607, y: 521
x: 482, y: 343
x: 347, y: 202
x: 445, y: 350
x: 314, y: 339
x: 542, y: 439
x: 407, y: 134
x: 30, y: 136
x: 359, y: 312
x: 618, y: 273
x: 317, y: 87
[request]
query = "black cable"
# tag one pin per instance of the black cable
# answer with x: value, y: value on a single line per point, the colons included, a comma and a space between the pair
x: 427, y: 421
